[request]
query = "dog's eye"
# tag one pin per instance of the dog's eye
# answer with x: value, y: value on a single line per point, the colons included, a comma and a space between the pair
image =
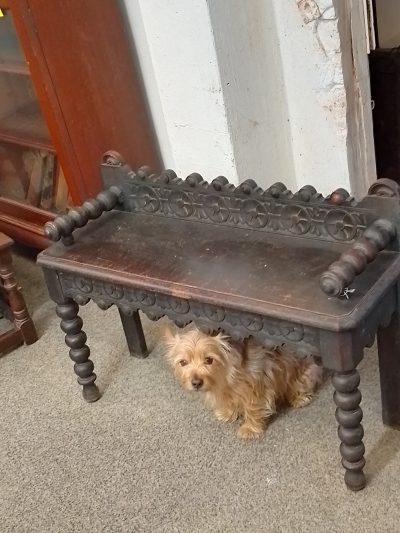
x: 182, y: 362
x: 208, y: 360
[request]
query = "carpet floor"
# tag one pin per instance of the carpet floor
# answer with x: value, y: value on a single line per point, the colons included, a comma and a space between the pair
x: 147, y: 457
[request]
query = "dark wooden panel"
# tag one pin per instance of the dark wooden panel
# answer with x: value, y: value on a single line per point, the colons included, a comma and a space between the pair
x: 25, y: 211
x: 385, y: 92
x: 24, y: 223
x: 92, y: 67
x: 269, y: 274
x: 9, y: 340
x: 48, y: 99
x: 23, y: 232
x: 389, y: 369
x: 89, y: 88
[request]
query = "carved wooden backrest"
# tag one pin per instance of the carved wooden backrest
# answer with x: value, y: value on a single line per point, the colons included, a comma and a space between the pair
x: 306, y: 213
x: 367, y: 226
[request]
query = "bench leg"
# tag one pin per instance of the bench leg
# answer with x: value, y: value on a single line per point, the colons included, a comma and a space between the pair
x: 134, y: 334
x: 75, y: 339
x: 347, y: 398
x: 22, y: 320
x: 389, y: 369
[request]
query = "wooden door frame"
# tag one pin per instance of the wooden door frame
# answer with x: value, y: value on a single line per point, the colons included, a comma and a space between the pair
x: 360, y: 139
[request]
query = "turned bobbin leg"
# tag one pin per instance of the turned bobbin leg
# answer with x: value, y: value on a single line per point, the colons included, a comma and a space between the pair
x: 22, y: 320
x: 347, y: 398
x: 134, y: 333
x: 75, y: 338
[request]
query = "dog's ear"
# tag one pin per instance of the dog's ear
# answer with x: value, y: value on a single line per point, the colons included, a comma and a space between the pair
x: 170, y: 340
x: 223, y: 340
x: 223, y: 343
x: 233, y: 351
x: 169, y: 337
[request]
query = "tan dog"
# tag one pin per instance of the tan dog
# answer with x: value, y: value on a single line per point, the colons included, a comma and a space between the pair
x: 241, y: 380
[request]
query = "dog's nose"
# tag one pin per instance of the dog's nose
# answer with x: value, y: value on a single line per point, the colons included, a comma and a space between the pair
x: 197, y: 383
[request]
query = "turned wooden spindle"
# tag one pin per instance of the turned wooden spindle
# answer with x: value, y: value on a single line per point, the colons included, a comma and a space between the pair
x: 338, y: 197
x: 194, y: 179
x: 277, y: 190
x: 347, y: 398
x: 385, y: 187
x: 21, y: 318
x: 306, y: 193
x: 75, y: 339
x: 354, y: 261
x: 63, y: 226
x: 219, y: 183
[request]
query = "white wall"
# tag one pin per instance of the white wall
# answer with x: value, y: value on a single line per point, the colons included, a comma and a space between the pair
x: 246, y: 88
x: 179, y: 65
x: 316, y: 96
x: 249, y: 57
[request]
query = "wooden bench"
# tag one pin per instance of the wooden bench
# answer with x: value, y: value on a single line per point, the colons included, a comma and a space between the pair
x: 320, y: 274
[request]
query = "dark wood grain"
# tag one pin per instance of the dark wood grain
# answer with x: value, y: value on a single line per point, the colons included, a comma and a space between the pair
x: 134, y: 333
x: 75, y: 339
x: 268, y: 274
x: 90, y: 100
x: 384, y: 67
x: 24, y: 223
x: 389, y: 368
x: 23, y: 329
x: 244, y: 261
x: 98, y: 89
x: 347, y: 398
x: 46, y: 92
x: 10, y: 340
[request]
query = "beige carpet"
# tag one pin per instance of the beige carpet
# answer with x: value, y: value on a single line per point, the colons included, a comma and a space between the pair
x: 148, y: 458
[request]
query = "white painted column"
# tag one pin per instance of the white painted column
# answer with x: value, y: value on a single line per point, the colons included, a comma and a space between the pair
x: 249, y: 57
x: 316, y: 96
x: 248, y: 89
x: 281, y: 71
x: 179, y: 65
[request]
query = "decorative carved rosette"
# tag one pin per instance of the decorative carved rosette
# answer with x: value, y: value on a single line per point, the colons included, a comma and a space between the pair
x: 337, y: 217
x: 183, y: 311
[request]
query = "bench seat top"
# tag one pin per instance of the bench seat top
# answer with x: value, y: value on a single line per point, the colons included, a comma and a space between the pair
x: 253, y: 271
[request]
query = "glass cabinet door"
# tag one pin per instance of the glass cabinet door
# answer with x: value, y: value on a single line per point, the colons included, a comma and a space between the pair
x: 29, y: 169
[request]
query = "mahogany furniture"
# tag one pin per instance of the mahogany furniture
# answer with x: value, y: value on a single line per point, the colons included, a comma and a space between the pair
x: 320, y: 274
x: 12, y: 303
x: 68, y: 76
x: 384, y: 68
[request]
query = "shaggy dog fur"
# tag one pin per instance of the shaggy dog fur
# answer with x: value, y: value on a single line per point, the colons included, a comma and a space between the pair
x: 241, y: 379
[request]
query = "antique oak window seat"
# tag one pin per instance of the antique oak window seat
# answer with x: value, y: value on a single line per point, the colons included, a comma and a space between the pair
x: 320, y: 274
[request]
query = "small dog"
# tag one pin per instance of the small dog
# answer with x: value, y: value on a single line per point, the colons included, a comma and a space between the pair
x: 242, y: 380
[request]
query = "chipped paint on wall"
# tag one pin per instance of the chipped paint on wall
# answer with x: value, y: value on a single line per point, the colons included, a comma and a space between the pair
x: 258, y: 93
x: 315, y: 93
x: 322, y: 20
x: 309, y: 10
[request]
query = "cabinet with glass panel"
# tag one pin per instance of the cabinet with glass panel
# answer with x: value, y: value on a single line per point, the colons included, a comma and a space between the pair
x: 50, y: 142
x: 30, y: 172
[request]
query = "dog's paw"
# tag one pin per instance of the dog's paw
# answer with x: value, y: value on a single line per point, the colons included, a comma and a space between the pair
x: 226, y: 416
x: 301, y: 401
x: 249, y: 432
